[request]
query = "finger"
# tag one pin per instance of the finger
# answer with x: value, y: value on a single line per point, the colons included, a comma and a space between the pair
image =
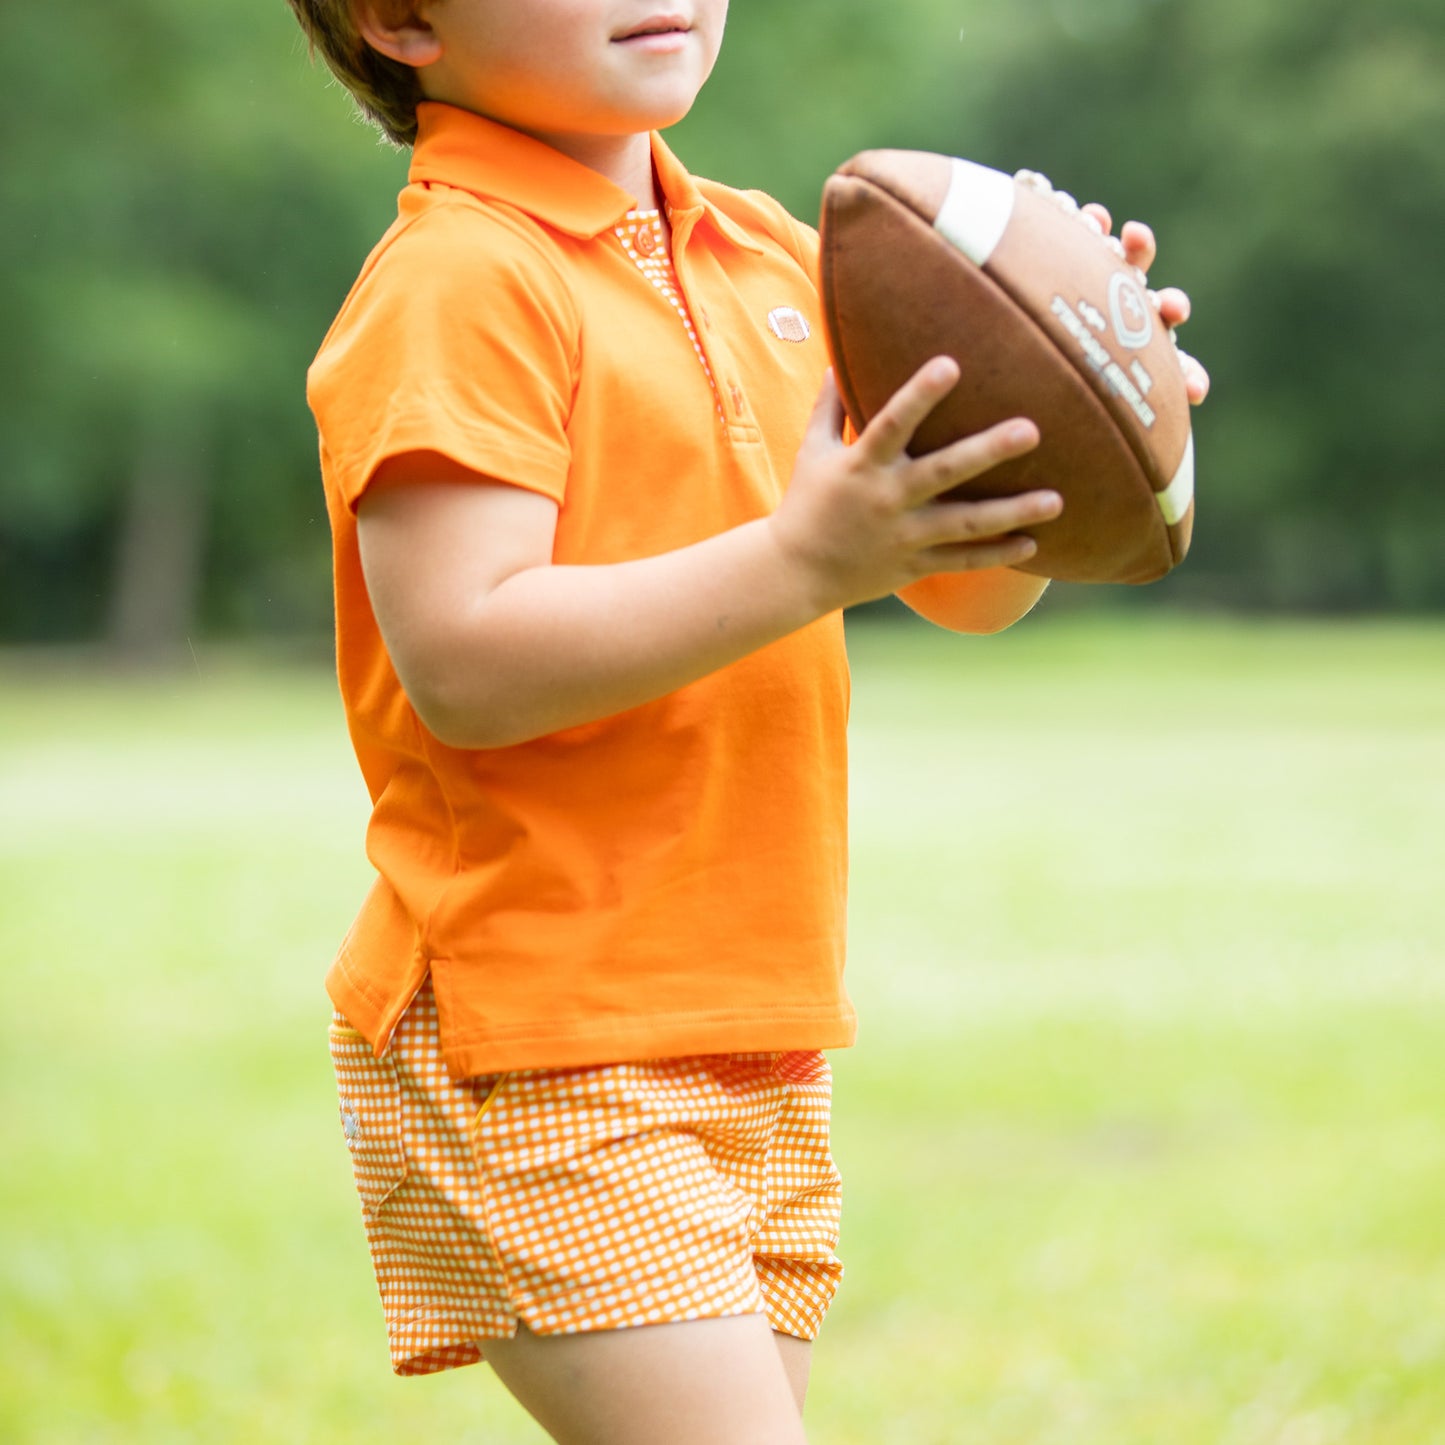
x: 886, y: 437
x: 1140, y: 247
x: 963, y: 460
x: 978, y: 556
x: 1196, y: 378
x: 825, y: 423
x: 947, y: 524
x: 1174, y: 305
x: 1101, y: 215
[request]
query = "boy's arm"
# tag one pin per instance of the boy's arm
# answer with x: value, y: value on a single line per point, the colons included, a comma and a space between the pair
x: 496, y: 645
x: 975, y: 601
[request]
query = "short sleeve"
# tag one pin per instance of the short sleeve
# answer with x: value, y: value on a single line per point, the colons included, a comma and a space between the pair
x: 460, y: 338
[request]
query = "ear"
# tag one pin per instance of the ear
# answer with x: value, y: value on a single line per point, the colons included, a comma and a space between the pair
x: 399, y: 30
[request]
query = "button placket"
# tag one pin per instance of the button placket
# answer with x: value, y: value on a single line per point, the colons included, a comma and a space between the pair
x: 730, y: 393
x: 642, y: 238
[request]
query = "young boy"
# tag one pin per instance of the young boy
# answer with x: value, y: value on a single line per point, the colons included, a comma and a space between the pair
x: 594, y: 525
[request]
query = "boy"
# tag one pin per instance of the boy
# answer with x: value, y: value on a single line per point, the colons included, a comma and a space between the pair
x: 594, y: 525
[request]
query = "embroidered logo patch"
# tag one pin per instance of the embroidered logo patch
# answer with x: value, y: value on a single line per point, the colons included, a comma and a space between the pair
x: 788, y: 324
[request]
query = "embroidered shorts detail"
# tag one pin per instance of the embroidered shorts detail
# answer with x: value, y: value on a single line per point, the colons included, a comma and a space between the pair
x: 586, y: 1198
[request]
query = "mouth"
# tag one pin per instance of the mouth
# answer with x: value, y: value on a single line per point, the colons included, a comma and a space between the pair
x: 654, y: 26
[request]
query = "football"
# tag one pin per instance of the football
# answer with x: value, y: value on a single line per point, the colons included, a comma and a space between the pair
x: 926, y: 255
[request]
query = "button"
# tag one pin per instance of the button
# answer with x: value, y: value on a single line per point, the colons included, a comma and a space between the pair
x: 706, y: 319
x: 647, y: 241
x: 737, y: 397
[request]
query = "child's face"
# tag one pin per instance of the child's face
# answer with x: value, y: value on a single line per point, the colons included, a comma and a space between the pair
x: 576, y: 68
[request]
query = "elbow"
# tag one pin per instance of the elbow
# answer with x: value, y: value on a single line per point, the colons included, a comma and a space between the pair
x: 473, y: 727
x: 976, y: 603
x: 971, y: 626
x: 988, y: 621
x: 988, y: 626
x: 474, y: 688
x: 962, y: 616
x: 453, y: 729
x: 460, y: 714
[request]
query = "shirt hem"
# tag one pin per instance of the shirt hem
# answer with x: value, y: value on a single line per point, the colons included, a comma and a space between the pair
x: 372, y: 1013
x: 582, y: 1044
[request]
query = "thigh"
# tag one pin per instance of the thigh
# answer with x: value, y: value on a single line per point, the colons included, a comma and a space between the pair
x: 797, y: 1358
x: 704, y: 1382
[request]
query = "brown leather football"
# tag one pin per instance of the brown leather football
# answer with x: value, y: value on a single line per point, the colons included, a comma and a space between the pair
x: 926, y: 255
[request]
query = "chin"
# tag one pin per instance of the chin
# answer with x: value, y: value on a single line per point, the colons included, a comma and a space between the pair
x: 661, y: 121
x: 665, y: 107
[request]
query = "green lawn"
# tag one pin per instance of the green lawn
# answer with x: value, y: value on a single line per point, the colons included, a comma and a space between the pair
x: 1144, y: 1136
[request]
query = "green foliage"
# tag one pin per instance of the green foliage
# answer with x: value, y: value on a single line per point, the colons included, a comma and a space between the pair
x: 1303, y: 212
x: 189, y: 199
x: 1286, y: 155
x: 195, y: 205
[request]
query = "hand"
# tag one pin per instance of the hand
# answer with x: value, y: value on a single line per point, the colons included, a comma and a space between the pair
x: 1171, y: 303
x: 862, y: 521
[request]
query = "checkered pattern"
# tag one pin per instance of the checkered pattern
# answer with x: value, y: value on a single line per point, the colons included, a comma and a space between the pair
x: 645, y: 242
x: 589, y: 1198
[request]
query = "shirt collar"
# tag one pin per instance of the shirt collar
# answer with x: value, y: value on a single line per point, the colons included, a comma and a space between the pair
x: 458, y: 147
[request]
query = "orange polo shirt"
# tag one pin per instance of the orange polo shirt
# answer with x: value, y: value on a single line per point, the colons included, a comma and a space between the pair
x: 669, y: 880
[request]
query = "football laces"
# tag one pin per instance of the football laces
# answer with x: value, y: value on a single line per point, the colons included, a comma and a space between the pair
x: 1039, y: 182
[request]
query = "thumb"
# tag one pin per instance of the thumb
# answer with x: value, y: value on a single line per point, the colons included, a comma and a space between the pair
x: 828, y: 416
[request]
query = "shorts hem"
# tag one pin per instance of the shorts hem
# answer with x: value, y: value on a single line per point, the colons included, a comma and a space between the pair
x: 471, y: 1348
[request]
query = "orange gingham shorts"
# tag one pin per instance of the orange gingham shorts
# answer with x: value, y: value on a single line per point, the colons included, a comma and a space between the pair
x: 586, y: 1198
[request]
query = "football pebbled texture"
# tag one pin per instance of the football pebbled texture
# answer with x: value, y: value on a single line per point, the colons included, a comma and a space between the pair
x: 925, y: 255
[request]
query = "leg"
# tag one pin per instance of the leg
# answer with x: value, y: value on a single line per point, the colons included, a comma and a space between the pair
x: 706, y: 1382
x: 797, y: 1358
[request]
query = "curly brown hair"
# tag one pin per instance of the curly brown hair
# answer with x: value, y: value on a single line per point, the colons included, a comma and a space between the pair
x: 386, y: 91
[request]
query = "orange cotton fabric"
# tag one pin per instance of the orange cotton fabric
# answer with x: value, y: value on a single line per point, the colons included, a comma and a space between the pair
x: 593, y: 1198
x: 562, y: 892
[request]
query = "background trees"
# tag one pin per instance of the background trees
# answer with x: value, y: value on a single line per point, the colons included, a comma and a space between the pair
x: 187, y: 200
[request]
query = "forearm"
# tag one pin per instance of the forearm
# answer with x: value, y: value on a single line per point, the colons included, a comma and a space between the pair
x: 984, y: 601
x: 551, y: 647
x: 495, y: 644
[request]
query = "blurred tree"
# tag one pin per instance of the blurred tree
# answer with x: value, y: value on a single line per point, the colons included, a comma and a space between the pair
x: 187, y: 201
x: 194, y: 208
x: 1289, y: 157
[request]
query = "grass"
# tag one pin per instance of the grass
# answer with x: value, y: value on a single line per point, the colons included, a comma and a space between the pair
x: 1142, y: 1137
